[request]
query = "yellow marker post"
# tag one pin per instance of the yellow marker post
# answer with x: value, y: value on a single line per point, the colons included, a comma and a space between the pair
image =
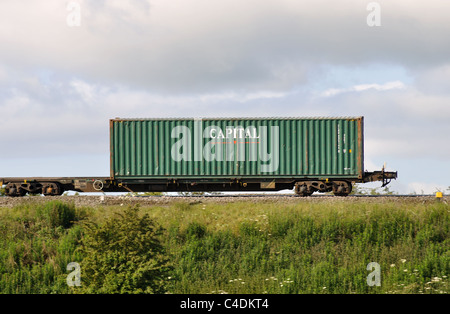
x: 439, y: 196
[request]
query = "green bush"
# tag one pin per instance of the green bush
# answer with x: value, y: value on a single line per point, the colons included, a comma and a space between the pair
x: 124, y: 255
x: 196, y: 230
x: 56, y: 213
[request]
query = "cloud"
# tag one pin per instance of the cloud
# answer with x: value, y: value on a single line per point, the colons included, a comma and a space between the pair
x: 399, y: 122
x: 434, y: 80
x: 364, y: 87
x: 200, y: 46
x: 426, y: 188
x: 60, y: 116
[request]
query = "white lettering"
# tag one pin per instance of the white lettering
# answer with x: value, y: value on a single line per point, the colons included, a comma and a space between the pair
x: 374, y: 17
x: 192, y: 304
x: 221, y: 135
x: 213, y: 150
x: 198, y: 139
x: 75, y: 274
x: 374, y: 278
x: 74, y: 17
x: 229, y: 131
x: 273, y: 156
x: 181, y: 150
x: 235, y: 144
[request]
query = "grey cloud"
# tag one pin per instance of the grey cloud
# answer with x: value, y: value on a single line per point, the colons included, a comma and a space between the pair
x: 404, y: 123
x: 434, y: 80
x: 198, y: 46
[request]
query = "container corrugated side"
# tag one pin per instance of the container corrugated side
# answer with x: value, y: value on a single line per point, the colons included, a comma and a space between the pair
x: 247, y: 147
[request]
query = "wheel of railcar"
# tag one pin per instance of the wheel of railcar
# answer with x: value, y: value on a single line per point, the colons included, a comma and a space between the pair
x: 303, y: 189
x: 11, y: 191
x: 342, y: 188
x: 14, y: 190
x: 52, y: 189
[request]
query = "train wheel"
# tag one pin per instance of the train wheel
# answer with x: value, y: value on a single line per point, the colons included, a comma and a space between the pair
x: 52, y: 189
x: 342, y: 188
x: 14, y: 190
x: 303, y: 189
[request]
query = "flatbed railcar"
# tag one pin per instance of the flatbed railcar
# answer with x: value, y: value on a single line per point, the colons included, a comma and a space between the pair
x: 224, y: 154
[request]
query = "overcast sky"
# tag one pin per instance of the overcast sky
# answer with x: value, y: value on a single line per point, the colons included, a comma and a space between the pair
x: 67, y: 67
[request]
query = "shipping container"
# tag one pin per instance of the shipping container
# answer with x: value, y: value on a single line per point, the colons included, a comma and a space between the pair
x: 247, y: 147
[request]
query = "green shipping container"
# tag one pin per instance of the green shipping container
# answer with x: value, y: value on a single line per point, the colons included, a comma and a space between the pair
x: 237, y: 148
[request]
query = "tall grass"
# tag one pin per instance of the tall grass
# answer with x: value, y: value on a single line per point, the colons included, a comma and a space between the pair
x: 309, y: 248
x: 36, y: 244
x: 244, y: 247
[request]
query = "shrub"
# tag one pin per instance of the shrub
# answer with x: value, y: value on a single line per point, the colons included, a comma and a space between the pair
x: 56, y: 213
x: 124, y: 255
x: 196, y: 230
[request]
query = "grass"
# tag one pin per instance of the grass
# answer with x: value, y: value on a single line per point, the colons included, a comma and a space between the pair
x: 36, y: 244
x: 319, y: 246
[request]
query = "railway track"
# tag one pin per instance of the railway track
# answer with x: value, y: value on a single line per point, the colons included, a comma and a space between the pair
x: 164, y: 200
x: 267, y: 195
